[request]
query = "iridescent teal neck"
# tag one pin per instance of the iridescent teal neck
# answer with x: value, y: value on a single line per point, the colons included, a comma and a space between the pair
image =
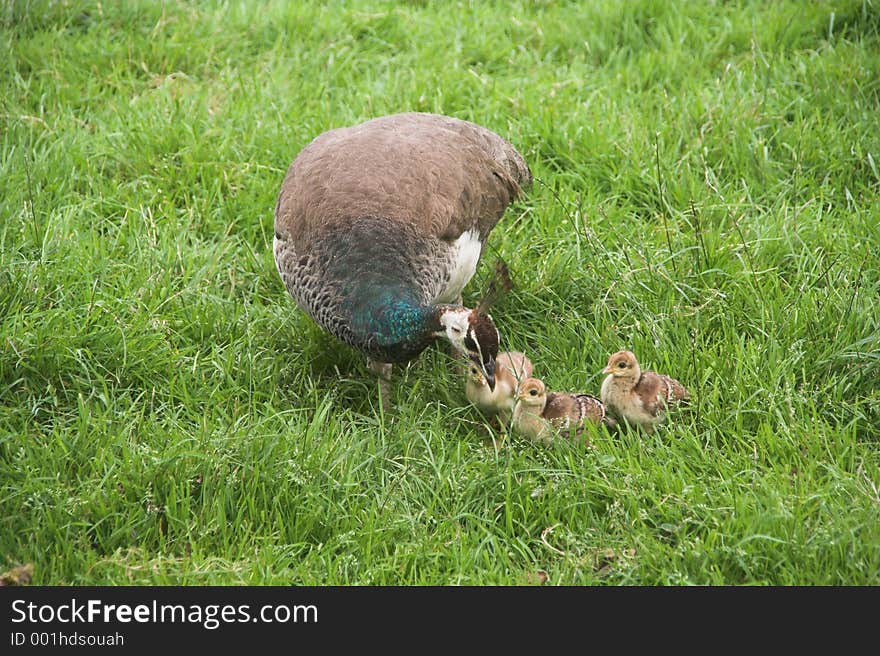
x: 394, y: 326
x: 403, y: 321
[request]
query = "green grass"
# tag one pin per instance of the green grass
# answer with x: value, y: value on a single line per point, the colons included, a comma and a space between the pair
x: 708, y: 196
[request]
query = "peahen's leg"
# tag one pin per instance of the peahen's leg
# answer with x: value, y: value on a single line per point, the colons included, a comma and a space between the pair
x: 383, y: 370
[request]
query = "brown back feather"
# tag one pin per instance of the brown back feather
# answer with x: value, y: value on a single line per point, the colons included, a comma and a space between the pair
x: 516, y: 364
x: 573, y: 411
x: 651, y: 390
x: 657, y: 391
x: 442, y: 174
x: 591, y: 408
x: 675, y: 391
x: 558, y: 407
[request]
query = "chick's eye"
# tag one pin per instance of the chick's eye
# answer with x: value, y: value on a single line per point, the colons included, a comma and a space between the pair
x: 533, y: 392
x: 474, y: 370
x: 621, y: 365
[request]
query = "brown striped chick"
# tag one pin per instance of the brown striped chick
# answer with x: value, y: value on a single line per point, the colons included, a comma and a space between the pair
x: 510, y: 368
x: 638, y: 397
x: 539, y: 415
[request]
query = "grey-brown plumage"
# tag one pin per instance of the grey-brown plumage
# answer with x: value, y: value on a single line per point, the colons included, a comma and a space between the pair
x: 439, y: 174
x: 639, y: 397
x: 379, y: 226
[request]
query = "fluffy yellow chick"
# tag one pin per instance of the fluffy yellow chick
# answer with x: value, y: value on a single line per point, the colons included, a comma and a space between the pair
x: 539, y: 415
x: 510, y: 368
x: 638, y: 397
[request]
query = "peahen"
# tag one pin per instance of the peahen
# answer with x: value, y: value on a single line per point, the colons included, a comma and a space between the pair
x: 379, y: 226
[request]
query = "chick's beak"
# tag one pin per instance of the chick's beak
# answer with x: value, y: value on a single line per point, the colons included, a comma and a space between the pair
x: 607, y: 370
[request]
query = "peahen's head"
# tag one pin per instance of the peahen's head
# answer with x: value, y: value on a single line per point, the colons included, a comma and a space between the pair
x: 473, y: 333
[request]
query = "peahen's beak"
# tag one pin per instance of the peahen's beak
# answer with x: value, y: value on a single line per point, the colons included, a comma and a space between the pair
x: 488, y: 368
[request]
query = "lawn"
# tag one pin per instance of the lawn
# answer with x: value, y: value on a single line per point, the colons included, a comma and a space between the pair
x: 707, y: 194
